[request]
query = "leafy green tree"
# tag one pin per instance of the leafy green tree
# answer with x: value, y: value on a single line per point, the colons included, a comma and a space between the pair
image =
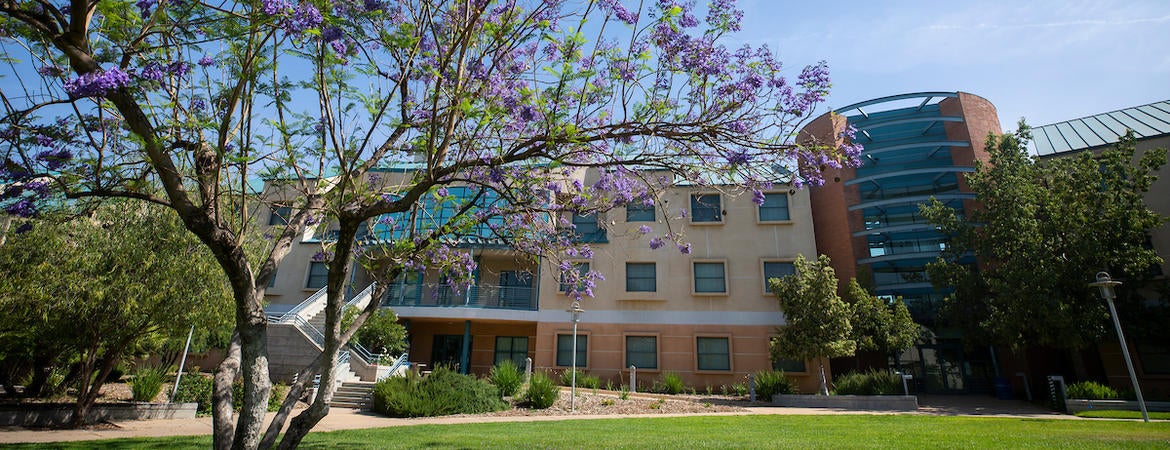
x: 1041, y: 232
x: 880, y: 326
x: 381, y: 333
x: 87, y: 291
x: 816, y: 319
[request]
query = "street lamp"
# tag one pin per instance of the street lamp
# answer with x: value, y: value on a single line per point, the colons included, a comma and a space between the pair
x: 575, y: 310
x: 1106, y: 284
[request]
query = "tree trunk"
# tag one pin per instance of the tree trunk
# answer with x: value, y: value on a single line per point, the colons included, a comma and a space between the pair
x: 221, y: 423
x: 257, y: 385
x: 304, y: 377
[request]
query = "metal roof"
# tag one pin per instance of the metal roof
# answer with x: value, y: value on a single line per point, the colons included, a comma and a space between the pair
x: 1099, y: 130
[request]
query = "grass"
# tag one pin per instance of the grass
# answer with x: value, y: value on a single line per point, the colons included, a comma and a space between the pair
x: 780, y: 431
x: 1116, y: 414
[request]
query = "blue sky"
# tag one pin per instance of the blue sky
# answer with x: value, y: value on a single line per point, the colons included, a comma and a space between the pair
x: 1047, y: 61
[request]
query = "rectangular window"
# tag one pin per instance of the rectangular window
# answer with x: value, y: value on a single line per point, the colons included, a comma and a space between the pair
x: 565, y: 350
x: 513, y: 348
x: 776, y: 270
x: 775, y: 208
x: 581, y: 268
x: 586, y: 229
x: 713, y: 353
x: 639, y: 212
x: 407, y: 290
x: 789, y: 365
x: 642, y: 352
x: 279, y: 215
x: 709, y: 277
x: 641, y: 277
x: 706, y: 208
x: 318, y: 275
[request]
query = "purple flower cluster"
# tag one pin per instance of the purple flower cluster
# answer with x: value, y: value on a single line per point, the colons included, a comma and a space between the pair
x: 618, y: 10
x: 206, y: 60
x: 97, y: 84
x: 50, y: 71
x: 304, y: 17
x: 144, y: 6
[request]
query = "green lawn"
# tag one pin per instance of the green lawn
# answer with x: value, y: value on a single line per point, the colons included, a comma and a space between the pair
x: 1116, y: 414
x: 837, y: 431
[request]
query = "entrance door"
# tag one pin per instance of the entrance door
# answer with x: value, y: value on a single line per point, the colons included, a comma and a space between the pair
x: 942, y: 368
x: 447, y: 351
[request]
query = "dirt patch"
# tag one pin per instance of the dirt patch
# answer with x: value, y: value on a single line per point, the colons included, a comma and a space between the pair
x: 591, y: 402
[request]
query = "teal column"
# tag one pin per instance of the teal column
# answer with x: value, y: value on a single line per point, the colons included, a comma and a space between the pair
x: 465, y: 354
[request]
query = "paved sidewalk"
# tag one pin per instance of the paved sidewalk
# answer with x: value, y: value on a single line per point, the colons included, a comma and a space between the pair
x: 348, y: 419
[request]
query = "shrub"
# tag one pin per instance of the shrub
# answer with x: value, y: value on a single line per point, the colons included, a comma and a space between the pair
x: 443, y: 392
x: 381, y: 333
x: 1090, y: 390
x: 147, y: 383
x: 275, y: 396
x: 588, y: 381
x: 739, y: 389
x: 195, y: 388
x: 772, y: 382
x: 506, y: 377
x: 542, y: 392
x: 874, y: 382
x: 671, y: 383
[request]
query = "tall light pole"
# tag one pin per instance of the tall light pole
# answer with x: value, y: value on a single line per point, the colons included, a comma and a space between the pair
x: 1106, y: 284
x: 575, y: 310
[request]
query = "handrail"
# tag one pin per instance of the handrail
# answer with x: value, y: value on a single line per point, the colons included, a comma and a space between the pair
x: 394, y: 367
x: 296, y: 310
x: 367, y: 292
x: 342, y: 361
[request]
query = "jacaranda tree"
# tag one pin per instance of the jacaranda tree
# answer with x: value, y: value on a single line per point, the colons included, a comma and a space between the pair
x: 195, y: 100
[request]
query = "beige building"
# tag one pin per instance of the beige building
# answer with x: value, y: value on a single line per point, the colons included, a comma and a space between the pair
x: 705, y: 315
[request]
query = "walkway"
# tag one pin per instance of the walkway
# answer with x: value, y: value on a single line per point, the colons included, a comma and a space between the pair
x: 348, y: 419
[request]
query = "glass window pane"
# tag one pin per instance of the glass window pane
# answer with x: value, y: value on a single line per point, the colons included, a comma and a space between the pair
x: 775, y: 207
x: 776, y: 270
x: 789, y: 365
x: 639, y: 212
x: 706, y: 208
x: 565, y: 350
x: 713, y: 353
x: 709, y: 277
x: 318, y: 275
x: 514, y: 348
x: 641, y: 277
x: 280, y: 215
x: 642, y: 352
x: 587, y: 230
x: 582, y: 269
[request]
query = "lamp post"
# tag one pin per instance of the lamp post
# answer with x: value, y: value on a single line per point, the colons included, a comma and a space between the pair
x: 1106, y: 284
x: 575, y: 310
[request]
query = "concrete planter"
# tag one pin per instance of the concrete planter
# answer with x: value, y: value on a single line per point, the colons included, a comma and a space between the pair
x: 56, y: 414
x: 867, y: 402
x: 1079, y: 404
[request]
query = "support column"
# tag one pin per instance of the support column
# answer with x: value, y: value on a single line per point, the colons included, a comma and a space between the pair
x: 465, y: 352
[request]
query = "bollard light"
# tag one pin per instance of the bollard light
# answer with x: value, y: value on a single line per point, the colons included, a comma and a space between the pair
x: 1106, y: 284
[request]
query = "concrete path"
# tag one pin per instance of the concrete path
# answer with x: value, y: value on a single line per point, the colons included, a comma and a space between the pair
x: 348, y: 419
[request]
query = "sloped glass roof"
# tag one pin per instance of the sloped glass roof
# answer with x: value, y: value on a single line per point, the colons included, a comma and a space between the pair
x: 1102, y: 129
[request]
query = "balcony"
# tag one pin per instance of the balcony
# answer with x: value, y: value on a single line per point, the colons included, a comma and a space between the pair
x: 485, y: 296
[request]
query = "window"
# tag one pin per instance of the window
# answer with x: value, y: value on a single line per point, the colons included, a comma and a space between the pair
x: 706, y: 208
x: 318, y: 275
x: 280, y: 215
x: 709, y: 277
x: 775, y: 208
x: 565, y: 350
x: 581, y: 268
x: 789, y: 365
x: 586, y: 229
x: 776, y: 270
x: 642, y: 352
x: 407, y: 290
x: 640, y: 277
x: 514, y: 348
x: 639, y: 212
x: 713, y: 353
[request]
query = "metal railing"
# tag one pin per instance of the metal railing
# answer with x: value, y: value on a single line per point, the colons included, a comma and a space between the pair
x: 296, y: 310
x: 398, y: 363
x: 445, y: 295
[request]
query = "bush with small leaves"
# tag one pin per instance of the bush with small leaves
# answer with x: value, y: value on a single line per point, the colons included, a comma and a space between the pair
x: 443, y: 392
x: 772, y: 382
x: 1090, y: 390
x: 195, y: 388
x: 542, y: 392
x: 874, y: 382
x: 506, y: 377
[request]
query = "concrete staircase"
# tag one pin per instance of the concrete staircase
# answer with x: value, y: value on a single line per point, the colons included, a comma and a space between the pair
x: 353, y: 394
